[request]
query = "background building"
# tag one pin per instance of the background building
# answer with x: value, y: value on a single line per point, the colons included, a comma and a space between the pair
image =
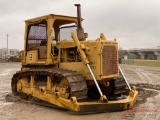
x: 143, y: 54
x: 5, y: 54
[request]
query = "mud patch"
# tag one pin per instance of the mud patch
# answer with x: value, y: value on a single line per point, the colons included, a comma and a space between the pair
x: 146, y: 91
x: 145, y: 85
x: 144, y: 94
x: 10, y: 98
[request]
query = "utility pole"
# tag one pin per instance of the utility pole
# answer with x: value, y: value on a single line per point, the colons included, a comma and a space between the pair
x: 7, y: 43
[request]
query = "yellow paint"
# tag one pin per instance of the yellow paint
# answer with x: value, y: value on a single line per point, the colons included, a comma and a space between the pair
x: 71, y: 55
x: 73, y: 105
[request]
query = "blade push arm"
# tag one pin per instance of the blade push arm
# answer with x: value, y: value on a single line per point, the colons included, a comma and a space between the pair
x: 86, y: 62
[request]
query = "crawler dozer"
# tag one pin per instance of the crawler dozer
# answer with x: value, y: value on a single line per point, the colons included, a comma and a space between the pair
x: 61, y: 67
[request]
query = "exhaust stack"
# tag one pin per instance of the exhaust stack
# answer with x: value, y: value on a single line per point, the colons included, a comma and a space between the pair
x: 80, y: 30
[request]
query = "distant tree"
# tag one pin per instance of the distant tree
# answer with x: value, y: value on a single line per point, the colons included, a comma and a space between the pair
x: 120, y: 53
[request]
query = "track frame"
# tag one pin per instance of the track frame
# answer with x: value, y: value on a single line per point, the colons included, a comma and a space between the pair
x: 20, y: 86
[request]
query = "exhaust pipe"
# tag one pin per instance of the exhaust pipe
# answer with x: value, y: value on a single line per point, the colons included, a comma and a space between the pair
x: 80, y: 30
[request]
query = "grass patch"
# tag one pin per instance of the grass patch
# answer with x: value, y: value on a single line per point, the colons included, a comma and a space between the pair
x: 152, y: 63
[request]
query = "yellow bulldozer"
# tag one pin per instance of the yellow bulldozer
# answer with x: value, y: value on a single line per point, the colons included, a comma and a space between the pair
x: 61, y: 67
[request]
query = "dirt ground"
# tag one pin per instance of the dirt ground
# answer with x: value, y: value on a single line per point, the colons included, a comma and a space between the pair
x: 147, y: 107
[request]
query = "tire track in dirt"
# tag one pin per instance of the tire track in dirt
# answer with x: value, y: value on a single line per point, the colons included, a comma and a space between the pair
x: 130, y: 74
x: 149, y: 96
x: 6, y: 71
x: 143, y: 75
x: 147, y: 81
x: 154, y: 77
x: 145, y: 91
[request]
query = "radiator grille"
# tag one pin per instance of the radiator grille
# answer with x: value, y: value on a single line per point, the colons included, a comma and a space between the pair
x: 109, y: 60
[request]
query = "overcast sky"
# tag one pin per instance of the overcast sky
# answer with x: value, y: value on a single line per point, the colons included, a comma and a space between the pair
x: 134, y: 23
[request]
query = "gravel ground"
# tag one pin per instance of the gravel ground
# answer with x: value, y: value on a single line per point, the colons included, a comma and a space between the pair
x: 147, y: 107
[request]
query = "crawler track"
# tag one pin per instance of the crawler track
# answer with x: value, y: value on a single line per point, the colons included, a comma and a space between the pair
x: 77, y: 83
x: 115, y: 90
x: 119, y: 86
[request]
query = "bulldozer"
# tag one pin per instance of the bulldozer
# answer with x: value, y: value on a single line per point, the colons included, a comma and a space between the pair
x: 60, y: 67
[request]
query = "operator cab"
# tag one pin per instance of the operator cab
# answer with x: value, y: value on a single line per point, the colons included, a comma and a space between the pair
x: 44, y: 32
